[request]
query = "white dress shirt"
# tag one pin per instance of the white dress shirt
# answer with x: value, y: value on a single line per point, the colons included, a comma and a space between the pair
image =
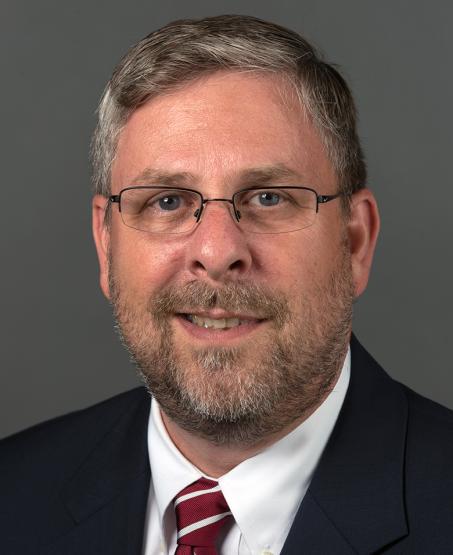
x: 263, y: 492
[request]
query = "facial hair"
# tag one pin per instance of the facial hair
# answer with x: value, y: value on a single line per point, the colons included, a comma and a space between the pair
x: 242, y: 394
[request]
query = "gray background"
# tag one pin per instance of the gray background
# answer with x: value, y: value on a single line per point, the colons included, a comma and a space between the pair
x: 59, y: 351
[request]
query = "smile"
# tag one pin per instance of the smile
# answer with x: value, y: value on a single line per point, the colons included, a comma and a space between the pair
x: 215, y: 323
x: 218, y: 325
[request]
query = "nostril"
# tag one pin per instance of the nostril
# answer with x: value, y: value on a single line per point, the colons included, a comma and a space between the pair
x: 198, y: 265
x: 237, y: 265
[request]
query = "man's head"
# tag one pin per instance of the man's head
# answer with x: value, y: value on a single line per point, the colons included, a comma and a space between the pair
x: 237, y: 333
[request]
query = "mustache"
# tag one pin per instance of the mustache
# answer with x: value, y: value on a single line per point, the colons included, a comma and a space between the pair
x: 238, y: 296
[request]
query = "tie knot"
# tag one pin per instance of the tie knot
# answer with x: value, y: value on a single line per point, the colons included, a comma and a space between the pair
x: 201, y: 511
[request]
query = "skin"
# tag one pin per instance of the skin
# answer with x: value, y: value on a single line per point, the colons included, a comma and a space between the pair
x: 218, y: 129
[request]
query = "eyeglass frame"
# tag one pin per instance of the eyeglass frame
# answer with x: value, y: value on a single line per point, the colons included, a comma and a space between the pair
x: 320, y: 199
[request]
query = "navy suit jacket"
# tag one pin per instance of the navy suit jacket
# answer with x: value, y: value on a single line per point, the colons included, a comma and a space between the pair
x: 78, y: 485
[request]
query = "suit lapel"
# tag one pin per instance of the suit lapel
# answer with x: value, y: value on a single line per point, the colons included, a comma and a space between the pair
x: 107, y: 498
x: 314, y: 533
x: 355, y: 503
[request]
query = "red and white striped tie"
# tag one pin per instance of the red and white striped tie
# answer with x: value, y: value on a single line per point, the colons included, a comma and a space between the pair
x: 201, y: 511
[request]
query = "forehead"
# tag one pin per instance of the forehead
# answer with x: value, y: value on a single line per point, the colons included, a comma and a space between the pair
x: 220, y: 127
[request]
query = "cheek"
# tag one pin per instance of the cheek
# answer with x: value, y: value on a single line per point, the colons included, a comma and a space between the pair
x: 290, y: 260
x: 143, y: 262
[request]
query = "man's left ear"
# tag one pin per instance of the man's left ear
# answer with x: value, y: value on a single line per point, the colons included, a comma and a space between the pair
x: 363, y: 229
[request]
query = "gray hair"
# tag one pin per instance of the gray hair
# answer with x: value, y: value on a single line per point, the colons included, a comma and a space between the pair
x: 189, y: 49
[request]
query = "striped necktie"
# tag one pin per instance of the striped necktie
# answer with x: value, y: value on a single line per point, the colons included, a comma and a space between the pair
x: 201, y: 511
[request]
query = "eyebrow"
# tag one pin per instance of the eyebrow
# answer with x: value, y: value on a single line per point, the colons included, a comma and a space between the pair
x: 268, y: 174
x: 151, y: 176
x: 254, y: 177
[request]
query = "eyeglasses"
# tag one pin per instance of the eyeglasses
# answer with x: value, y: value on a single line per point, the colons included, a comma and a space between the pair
x: 257, y: 210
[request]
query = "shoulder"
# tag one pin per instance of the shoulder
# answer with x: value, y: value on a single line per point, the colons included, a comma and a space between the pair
x: 428, y: 429
x: 429, y: 442
x: 427, y: 415
x: 422, y: 428
x: 48, y: 453
x: 428, y: 473
x: 103, y: 413
x: 402, y: 443
x: 38, y: 465
x: 428, y: 422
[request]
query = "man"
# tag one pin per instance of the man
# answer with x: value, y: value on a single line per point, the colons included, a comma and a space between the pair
x: 234, y: 231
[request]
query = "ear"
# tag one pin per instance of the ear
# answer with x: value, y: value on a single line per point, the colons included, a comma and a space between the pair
x: 363, y: 229
x: 101, y: 236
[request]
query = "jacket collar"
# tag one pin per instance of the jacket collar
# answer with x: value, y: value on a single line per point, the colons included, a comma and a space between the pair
x: 355, y: 503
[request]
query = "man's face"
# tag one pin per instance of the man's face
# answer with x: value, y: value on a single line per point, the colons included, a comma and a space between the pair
x: 291, y: 293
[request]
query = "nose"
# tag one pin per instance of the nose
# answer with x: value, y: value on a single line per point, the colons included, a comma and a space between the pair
x: 218, y: 248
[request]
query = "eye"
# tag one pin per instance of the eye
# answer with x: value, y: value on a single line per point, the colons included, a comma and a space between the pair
x: 169, y: 202
x: 267, y: 198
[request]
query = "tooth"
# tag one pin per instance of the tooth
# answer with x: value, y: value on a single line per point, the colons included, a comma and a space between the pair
x: 215, y: 323
x: 196, y: 320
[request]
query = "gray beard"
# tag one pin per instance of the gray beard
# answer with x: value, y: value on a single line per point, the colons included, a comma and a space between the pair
x: 222, y: 394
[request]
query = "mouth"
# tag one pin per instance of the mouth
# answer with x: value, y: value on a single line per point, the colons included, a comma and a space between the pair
x: 218, y: 324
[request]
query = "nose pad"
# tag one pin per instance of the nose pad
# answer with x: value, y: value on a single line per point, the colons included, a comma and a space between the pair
x: 197, y: 214
x: 235, y: 214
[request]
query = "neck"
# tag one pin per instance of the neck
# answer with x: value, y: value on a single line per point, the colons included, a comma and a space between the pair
x: 216, y: 460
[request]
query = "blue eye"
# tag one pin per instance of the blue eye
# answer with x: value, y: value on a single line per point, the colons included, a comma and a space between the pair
x: 268, y: 198
x: 169, y: 203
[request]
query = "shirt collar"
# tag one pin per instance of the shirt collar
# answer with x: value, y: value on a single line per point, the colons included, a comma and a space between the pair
x: 170, y: 470
x: 253, y: 489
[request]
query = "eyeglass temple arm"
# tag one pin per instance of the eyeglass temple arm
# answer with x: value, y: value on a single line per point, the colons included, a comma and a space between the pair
x: 322, y: 199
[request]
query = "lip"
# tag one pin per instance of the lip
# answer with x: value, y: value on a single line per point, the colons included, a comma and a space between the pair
x: 215, y: 335
x: 217, y: 313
